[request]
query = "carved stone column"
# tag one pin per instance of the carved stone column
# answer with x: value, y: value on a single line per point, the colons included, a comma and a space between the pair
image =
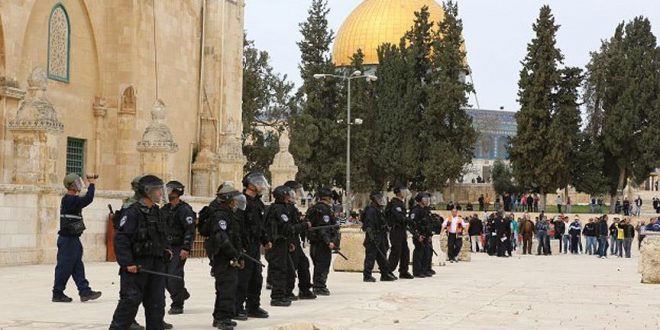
x: 127, y: 134
x: 100, y: 111
x: 284, y: 167
x: 204, y: 168
x: 10, y: 98
x: 35, y: 129
x: 157, y: 145
x: 230, y: 155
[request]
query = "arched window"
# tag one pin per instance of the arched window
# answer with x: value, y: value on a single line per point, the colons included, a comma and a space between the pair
x: 59, y: 43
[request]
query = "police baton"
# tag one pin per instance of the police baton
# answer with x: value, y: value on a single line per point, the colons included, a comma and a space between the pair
x: 153, y: 272
x: 252, y: 259
x: 336, y: 251
x: 323, y: 227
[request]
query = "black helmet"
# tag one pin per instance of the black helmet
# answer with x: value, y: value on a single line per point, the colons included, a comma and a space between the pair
x: 324, y: 192
x: 148, y: 185
x: 175, y: 186
x: 257, y: 179
x: 293, y: 184
x: 377, y: 198
x: 419, y: 196
x: 226, y: 192
x: 281, y: 192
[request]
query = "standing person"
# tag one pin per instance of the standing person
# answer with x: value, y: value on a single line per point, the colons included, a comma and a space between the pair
x: 542, y: 235
x: 574, y: 232
x: 561, y: 233
x: 638, y: 205
x: 375, y: 240
x: 514, y: 232
x: 475, y: 230
x: 491, y: 235
x: 620, y: 236
x: 589, y: 231
x: 398, y: 222
x: 69, y: 247
x: 613, y: 236
x: 600, y: 204
x: 503, y: 227
x: 628, y: 236
x: 602, y: 231
x: 141, y: 243
x: 250, y: 278
x: 593, y: 204
x: 224, y: 248
x: 298, y: 256
x: 420, y: 218
x: 455, y: 227
x: 559, y: 203
x: 180, y: 219
x: 482, y: 202
x: 280, y: 230
x: 523, y: 202
x: 640, y: 233
x: 323, y: 241
x: 530, y: 203
x: 527, y: 230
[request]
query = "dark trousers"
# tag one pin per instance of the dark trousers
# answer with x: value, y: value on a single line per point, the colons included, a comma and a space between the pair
x: 527, y: 243
x: 226, y: 281
x: 70, y: 264
x: 454, y: 245
x: 492, y: 245
x: 373, y: 255
x: 145, y: 289
x: 301, y: 265
x: 400, y: 253
x: 503, y: 247
x: 574, y: 243
x: 602, y: 246
x: 321, y: 257
x: 248, y: 291
x: 421, y: 255
x: 176, y: 287
x: 279, y: 269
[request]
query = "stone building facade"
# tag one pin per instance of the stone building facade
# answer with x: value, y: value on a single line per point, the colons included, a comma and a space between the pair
x: 121, y: 88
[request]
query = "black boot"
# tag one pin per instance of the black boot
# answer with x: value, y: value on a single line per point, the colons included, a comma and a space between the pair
x: 406, y: 276
x: 92, y: 295
x: 387, y: 277
x: 258, y: 313
x: 306, y: 294
x: 61, y: 298
x: 368, y: 278
x: 241, y: 315
x: 135, y: 326
x: 280, y: 303
x: 321, y: 291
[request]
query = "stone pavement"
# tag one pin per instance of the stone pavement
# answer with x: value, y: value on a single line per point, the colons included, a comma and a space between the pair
x: 530, y: 292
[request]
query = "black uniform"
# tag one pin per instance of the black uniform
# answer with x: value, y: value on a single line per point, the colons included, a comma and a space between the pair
x: 503, y: 229
x: 396, y: 217
x: 280, y: 230
x: 321, y: 215
x: 298, y: 257
x: 224, y: 245
x: 491, y: 237
x: 375, y: 241
x: 180, y: 221
x: 141, y: 240
x: 421, y: 220
x: 250, y: 278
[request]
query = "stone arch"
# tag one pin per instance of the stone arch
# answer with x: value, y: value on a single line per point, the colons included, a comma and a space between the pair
x: 128, y: 100
x: 59, y: 43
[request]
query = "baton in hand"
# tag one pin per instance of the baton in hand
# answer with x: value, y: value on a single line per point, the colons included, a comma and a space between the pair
x: 252, y: 259
x: 323, y: 227
x: 153, y: 272
x: 339, y: 253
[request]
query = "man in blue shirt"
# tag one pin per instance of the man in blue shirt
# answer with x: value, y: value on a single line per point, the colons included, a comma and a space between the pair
x: 69, y: 248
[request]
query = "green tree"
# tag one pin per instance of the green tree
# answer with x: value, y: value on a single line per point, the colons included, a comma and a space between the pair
x: 502, y: 178
x: 267, y: 103
x: 630, y: 133
x: 317, y: 141
x: 587, y: 171
x: 529, y: 150
x: 445, y: 121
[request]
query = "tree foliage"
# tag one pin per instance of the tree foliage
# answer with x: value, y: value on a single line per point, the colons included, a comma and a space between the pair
x: 502, y: 178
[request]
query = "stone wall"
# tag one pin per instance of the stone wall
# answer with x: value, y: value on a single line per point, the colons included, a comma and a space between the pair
x: 29, y: 221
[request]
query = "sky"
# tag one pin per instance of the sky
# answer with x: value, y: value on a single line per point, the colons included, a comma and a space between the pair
x: 496, y: 34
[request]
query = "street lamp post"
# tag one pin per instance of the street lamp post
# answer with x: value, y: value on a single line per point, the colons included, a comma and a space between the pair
x: 348, y: 78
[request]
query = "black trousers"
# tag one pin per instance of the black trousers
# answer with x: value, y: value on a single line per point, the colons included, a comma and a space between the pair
x: 373, y: 255
x: 279, y: 269
x: 301, y: 265
x: 429, y: 254
x: 400, y: 253
x: 321, y: 257
x: 575, y: 243
x: 454, y: 245
x: 492, y: 244
x: 175, y: 287
x: 226, y: 281
x: 421, y: 255
x: 250, y: 280
x: 141, y: 288
x: 503, y: 247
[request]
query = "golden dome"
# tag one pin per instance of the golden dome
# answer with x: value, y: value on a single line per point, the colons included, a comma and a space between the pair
x: 375, y: 22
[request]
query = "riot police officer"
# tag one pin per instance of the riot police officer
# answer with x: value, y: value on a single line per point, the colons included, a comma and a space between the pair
x: 180, y: 219
x: 248, y: 294
x: 69, y: 247
x: 280, y: 230
x: 420, y: 217
x: 298, y: 257
x: 224, y: 248
x: 375, y: 239
x: 398, y: 222
x: 141, y: 243
x: 322, y: 241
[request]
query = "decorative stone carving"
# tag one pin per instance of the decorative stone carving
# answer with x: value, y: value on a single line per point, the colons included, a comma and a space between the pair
x: 157, y: 137
x: 284, y: 167
x: 34, y: 129
x: 230, y: 154
x: 58, y: 44
x: 100, y: 107
x: 128, y: 101
x: 649, y: 259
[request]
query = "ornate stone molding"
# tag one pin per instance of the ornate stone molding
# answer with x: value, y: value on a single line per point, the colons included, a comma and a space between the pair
x: 157, y: 136
x: 9, y: 89
x: 36, y: 113
x: 100, y: 107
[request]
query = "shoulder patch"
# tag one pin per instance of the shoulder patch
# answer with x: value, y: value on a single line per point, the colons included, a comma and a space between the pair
x: 398, y: 209
x: 189, y: 220
x: 412, y: 216
x: 222, y: 224
x: 284, y: 218
x: 123, y: 221
x: 326, y: 218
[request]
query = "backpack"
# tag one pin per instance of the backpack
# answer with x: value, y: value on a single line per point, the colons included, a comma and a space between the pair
x: 204, y: 226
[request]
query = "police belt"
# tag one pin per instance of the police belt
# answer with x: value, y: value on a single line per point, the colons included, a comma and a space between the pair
x: 71, y: 224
